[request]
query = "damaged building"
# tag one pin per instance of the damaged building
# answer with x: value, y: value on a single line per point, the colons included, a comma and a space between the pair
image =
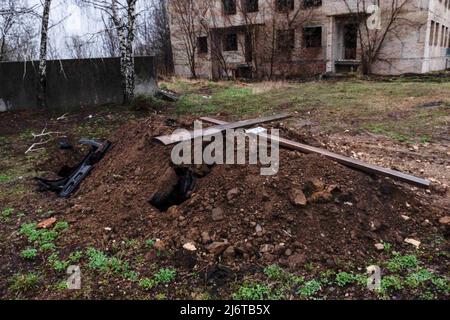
x: 297, y: 38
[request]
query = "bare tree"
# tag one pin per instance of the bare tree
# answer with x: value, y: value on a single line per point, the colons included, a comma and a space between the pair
x: 110, y: 42
x: 393, y: 21
x: 153, y: 34
x: 123, y: 15
x: 16, y: 30
x: 43, y: 55
x: 78, y: 48
x: 187, y: 16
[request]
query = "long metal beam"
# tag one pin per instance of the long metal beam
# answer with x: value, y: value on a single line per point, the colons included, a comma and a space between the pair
x: 175, y: 138
x: 349, y: 162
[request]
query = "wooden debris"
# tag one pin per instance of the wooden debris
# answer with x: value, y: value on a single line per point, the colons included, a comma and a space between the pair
x: 167, y: 95
x: 175, y: 138
x: 350, y: 162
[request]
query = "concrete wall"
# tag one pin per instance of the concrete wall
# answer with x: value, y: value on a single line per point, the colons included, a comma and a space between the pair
x: 71, y: 84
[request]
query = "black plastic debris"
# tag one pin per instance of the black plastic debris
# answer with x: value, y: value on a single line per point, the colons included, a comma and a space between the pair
x: 64, y: 144
x: 67, y: 185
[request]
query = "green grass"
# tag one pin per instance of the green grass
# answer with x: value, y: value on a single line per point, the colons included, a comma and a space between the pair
x: 402, y: 262
x: 274, y: 272
x: 99, y: 261
x: 165, y: 275
x: 6, y: 213
x: 310, y: 289
x: 29, y: 254
x: 380, y: 107
x: 20, y: 283
x: 252, y: 291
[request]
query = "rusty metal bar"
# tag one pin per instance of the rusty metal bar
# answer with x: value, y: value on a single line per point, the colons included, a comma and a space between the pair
x: 349, y: 162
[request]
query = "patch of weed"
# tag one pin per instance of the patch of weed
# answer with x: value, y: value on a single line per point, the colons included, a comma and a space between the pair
x: 165, y: 275
x: 29, y: 254
x: 252, y: 291
x: 147, y: 284
x: 402, y: 262
x: 24, y: 282
x: 274, y: 272
x: 310, y: 288
x: 418, y: 278
x: 344, y: 278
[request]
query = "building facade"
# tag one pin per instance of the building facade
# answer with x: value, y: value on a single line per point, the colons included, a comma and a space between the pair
x: 298, y: 38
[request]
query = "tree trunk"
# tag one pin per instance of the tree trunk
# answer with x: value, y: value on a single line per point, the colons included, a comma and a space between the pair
x: 42, y: 85
x: 129, y: 66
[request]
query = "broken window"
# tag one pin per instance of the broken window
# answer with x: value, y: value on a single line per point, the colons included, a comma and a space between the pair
x: 229, y: 7
x: 202, y: 44
x: 284, y: 5
x: 431, y: 33
x: 285, y: 39
x: 312, y: 37
x: 436, y: 34
x: 230, y: 42
x: 311, y: 3
x: 251, y: 5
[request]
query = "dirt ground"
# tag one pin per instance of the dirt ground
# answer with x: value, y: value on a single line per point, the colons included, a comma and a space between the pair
x: 308, y: 232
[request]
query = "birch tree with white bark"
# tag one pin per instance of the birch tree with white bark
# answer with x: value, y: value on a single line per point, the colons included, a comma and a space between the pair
x: 42, y: 72
x: 123, y: 15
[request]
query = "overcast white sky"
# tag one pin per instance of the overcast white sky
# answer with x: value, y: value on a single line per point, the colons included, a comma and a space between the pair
x: 68, y: 20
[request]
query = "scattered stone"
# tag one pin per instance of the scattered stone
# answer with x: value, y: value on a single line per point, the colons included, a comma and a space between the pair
x: 379, y: 246
x: 375, y: 225
x: 229, y: 254
x: 159, y: 245
x: 173, y: 211
x: 189, y: 246
x: 288, y: 252
x: 258, y: 229
x: 321, y: 197
x: 279, y: 249
x: 232, y: 194
x: 445, y: 221
x: 413, y: 242
x: 298, y: 198
x: 108, y: 229
x: 296, y: 261
x: 265, y: 195
x: 217, y: 214
x: 216, y: 248
x: 266, y: 248
x: 205, y: 237
x: 406, y: 218
x: 47, y: 223
x: 316, y: 184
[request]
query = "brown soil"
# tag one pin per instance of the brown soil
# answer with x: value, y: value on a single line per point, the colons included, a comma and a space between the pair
x: 361, y: 211
x: 346, y: 214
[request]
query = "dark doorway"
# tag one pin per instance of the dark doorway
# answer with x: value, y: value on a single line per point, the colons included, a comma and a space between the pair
x: 350, y: 41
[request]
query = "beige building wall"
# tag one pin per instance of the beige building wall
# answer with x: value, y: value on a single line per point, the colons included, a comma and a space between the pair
x: 407, y: 50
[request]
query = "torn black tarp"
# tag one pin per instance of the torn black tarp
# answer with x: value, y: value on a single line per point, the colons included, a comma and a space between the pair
x: 66, y: 186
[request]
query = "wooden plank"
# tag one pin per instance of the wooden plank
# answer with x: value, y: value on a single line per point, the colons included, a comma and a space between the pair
x: 350, y: 162
x: 175, y: 138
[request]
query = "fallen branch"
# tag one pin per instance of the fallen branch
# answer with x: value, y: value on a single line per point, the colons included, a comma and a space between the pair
x: 45, y: 134
x: 63, y: 117
x: 32, y: 148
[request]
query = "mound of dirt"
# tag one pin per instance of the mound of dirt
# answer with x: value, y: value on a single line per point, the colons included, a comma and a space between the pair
x: 313, y: 210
